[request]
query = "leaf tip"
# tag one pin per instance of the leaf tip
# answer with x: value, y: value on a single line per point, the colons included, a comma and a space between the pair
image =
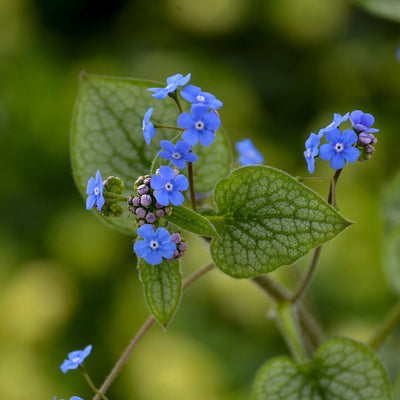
x: 83, y: 75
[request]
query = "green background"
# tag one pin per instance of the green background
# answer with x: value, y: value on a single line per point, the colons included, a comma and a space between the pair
x: 282, y: 68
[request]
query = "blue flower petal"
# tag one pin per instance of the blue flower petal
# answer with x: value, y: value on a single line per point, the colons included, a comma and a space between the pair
x: 337, y: 161
x: 90, y: 201
x: 182, y: 147
x: 212, y: 121
x: 334, y: 136
x: 100, y: 202
x: 146, y: 232
x: 349, y: 137
x: 153, y: 258
x: 167, y: 250
x: 164, y: 154
x: 180, y: 162
x: 142, y: 248
x: 191, y: 136
x: 185, y: 121
x: 351, y: 154
x: 162, y: 197
x: 90, y: 186
x: 166, y: 173
x: 206, y: 137
x: 157, y: 182
x: 67, y: 365
x: 198, y: 111
x: 181, y: 183
x: 167, y: 146
x: 176, y: 198
x: 326, y: 152
x: 162, y: 235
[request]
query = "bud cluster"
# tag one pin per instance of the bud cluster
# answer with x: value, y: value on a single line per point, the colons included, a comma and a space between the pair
x: 144, y: 205
x: 181, y: 246
x: 112, y: 185
x: 365, y: 144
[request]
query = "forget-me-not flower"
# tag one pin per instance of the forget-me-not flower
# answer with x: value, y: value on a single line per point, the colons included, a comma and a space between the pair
x: 173, y: 82
x: 200, y: 124
x: 249, y: 155
x: 362, y: 122
x: 178, y: 154
x: 147, y: 127
x: 72, y: 398
x: 337, y: 120
x: 339, y: 149
x: 194, y: 94
x: 167, y: 187
x: 95, y: 191
x: 75, y: 359
x: 311, y: 151
x: 155, y: 245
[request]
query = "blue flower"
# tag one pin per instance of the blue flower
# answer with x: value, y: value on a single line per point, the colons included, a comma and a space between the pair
x: 337, y: 120
x: 311, y: 151
x: 194, y: 94
x: 249, y: 155
x: 340, y: 148
x: 95, y: 191
x: 168, y: 187
x: 178, y: 154
x: 75, y: 359
x: 72, y: 398
x: 201, y: 125
x: 362, y: 121
x: 173, y: 82
x: 155, y: 245
x: 148, y: 128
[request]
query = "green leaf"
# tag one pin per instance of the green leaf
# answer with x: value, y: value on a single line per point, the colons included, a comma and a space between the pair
x: 392, y: 259
x: 342, y: 369
x: 384, y: 8
x: 107, y: 133
x: 162, y: 285
x: 267, y: 219
x: 191, y: 221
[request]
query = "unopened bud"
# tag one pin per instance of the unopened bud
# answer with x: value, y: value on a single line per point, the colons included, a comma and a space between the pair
x: 176, y: 237
x: 150, y: 218
x: 146, y: 200
x: 143, y: 189
x: 141, y: 212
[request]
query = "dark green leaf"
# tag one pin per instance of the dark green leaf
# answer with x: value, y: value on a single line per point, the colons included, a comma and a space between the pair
x: 342, y: 369
x: 162, y: 285
x: 267, y: 219
x: 191, y: 221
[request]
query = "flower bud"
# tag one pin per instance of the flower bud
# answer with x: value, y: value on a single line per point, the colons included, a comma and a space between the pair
x: 146, y: 200
x: 150, y: 218
x: 141, y: 212
x: 143, y: 189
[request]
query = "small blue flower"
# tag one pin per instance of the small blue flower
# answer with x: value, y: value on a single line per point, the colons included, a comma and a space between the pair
x: 95, y: 191
x: 339, y: 149
x: 337, y: 120
x: 178, y: 154
x: 148, y: 128
x: 155, y: 245
x: 194, y: 94
x: 72, y: 398
x: 201, y: 125
x: 362, y: 121
x: 173, y: 82
x: 75, y: 359
x: 249, y: 155
x: 168, y: 187
x: 311, y: 151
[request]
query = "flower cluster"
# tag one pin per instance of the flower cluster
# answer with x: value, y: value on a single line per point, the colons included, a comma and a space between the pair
x: 181, y: 246
x: 347, y: 146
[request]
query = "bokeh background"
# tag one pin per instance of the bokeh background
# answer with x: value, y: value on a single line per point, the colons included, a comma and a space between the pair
x: 282, y: 68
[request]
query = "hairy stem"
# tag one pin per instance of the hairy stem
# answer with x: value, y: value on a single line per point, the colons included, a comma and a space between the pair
x: 142, y: 331
x: 272, y: 288
x: 191, y: 186
x: 314, y: 178
x: 390, y: 322
x: 90, y: 382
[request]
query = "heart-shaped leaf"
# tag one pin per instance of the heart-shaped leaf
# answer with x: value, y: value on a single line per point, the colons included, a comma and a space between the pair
x: 162, y: 286
x: 267, y: 219
x: 342, y: 369
x: 107, y: 135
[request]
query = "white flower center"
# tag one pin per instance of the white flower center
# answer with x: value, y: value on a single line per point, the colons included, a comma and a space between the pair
x: 176, y: 156
x: 168, y: 186
x: 96, y: 191
x: 308, y: 153
x: 76, y: 359
x: 169, y: 86
x: 338, y: 147
x: 200, y: 98
x: 153, y: 244
x: 199, y: 125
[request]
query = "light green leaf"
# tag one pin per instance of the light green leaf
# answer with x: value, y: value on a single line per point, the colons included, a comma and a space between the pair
x: 392, y: 259
x: 162, y: 285
x: 191, y: 221
x: 342, y: 369
x: 107, y: 133
x: 267, y: 219
x: 389, y: 9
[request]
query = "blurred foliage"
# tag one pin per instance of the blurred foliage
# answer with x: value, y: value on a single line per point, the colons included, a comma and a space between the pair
x: 282, y: 68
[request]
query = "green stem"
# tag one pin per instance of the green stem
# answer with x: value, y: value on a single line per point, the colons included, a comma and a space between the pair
x: 90, y: 382
x: 314, y: 178
x: 168, y: 127
x: 191, y: 186
x: 289, y: 324
x: 109, y: 195
x: 272, y: 288
x: 174, y: 96
x: 142, y: 331
x: 390, y: 322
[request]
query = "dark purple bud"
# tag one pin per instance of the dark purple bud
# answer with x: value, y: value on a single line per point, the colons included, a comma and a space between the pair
x: 364, y: 138
x: 183, y: 246
x: 159, y: 213
x: 143, y: 189
x: 136, y: 201
x: 370, y: 149
x: 176, y: 254
x: 150, y: 218
x: 139, y: 180
x: 176, y: 237
x: 129, y: 199
x: 146, y: 200
x: 374, y: 139
x: 141, y: 212
x: 141, y: 222
x: 147, y: 181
